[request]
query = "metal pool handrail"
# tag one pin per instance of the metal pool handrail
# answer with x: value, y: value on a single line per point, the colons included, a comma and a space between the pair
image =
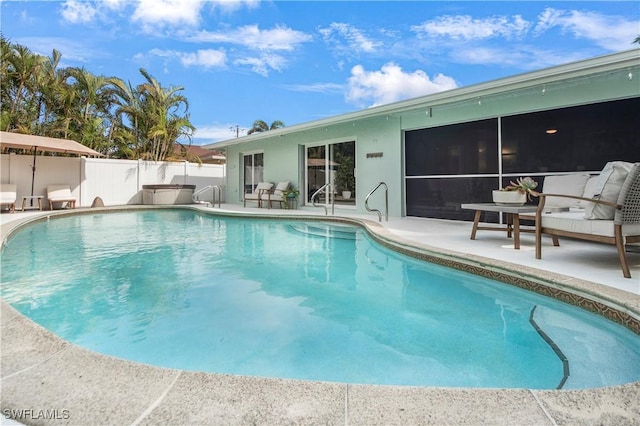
x: 329, y: 197
x: 386, y: 202
x: 214, y: 189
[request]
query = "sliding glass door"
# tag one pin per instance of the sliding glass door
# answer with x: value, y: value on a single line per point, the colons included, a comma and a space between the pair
x: 335, y: 164
x: 253, y: 171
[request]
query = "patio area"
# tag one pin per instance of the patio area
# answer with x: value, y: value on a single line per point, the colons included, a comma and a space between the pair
x: 41, y: 371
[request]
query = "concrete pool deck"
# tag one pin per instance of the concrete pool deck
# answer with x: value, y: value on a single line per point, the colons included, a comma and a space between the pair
x: 46, y: 380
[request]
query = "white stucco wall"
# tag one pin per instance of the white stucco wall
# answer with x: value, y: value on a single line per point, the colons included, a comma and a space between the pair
x: 117, y: 182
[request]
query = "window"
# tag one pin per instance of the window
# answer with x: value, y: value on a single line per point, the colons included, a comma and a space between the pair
x: 580, y: 138
x: 465, y: 148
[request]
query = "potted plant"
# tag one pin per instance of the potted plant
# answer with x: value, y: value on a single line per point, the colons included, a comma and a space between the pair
x: 345, y: 179
x: 516, y: 193
x: 289, y: 194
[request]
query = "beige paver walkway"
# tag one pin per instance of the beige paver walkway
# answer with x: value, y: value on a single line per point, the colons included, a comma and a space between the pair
x: 40, y: 372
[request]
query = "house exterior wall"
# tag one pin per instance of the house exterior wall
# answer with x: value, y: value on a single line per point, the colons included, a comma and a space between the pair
x: 381, y: 129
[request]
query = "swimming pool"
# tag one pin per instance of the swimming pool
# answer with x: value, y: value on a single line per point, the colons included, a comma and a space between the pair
x: 313, y: 301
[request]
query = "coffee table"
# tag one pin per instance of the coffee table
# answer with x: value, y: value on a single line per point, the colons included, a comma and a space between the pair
x: 513, y: 218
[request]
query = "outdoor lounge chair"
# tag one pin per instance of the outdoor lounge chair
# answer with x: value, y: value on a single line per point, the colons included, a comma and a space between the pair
x: 8, y: 196
x: 611, y: 214
x: 256, y: 194
x: 60, y: 194
x: 276, y: 194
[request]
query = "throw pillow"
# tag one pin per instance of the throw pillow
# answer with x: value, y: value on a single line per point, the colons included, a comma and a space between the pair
x: 564, y: 185
x: 592, y: 188
x: 610, y: 181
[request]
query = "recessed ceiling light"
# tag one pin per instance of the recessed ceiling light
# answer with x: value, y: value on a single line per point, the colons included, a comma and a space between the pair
x: 551, y: 131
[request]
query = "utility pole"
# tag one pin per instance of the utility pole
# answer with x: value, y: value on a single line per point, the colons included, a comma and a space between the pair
x: 237, y: 130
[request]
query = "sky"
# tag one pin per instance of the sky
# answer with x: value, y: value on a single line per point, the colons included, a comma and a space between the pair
x: 300, y: 61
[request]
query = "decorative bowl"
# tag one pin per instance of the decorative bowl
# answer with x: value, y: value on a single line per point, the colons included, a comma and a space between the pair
x: 509, y: 198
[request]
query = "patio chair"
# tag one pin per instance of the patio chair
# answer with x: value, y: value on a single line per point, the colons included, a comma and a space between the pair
x: 612, y: 216
x: 275, y: 195
x: 60, y: 194
x: 256, y: 194
x: 8, y: 196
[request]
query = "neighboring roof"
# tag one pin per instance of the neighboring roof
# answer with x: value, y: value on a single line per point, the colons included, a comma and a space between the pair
x: 42, y: 143
x: 206, y: 155
x: 569, y: 71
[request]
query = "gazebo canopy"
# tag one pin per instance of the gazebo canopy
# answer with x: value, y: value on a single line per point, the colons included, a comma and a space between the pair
x: 42, y: 143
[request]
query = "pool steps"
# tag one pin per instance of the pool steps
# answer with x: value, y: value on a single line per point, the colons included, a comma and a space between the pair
x: 326, y: 229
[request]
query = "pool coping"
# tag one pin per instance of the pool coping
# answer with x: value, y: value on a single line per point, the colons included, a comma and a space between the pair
x: 54, y: 381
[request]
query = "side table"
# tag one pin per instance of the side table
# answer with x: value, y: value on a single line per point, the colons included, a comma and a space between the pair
x: 32, y: 197
x: 513, y: 218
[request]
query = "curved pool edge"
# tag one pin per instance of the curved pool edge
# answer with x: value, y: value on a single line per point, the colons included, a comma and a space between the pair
x: 39, y: 371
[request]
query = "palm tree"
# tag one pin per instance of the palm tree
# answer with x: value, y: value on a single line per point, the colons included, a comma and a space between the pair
x: 261, y: 126
x: 21, y: 69
x: 158, y: 116
x: 51, y: 88
x: 105, y: 113
x: 129, y: 116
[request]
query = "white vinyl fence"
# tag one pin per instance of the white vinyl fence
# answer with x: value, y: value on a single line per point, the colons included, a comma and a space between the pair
x: 116, y: 182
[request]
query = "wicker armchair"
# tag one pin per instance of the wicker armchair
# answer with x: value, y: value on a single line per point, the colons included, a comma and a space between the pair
x: 624, y: 228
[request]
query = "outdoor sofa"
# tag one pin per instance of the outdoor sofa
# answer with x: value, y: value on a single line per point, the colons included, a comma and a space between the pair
x: 602, y: 208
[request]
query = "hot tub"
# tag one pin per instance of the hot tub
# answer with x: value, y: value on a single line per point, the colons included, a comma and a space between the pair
x: 164, y: 194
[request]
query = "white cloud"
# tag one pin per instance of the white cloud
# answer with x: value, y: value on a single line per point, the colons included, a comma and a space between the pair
x: 263, y: 64
x: 233, y: 5
x: 152, y: 14
x: 251, y: 36
x: 315, y: 88
x: 114, y: 4
x: 607, y: 31
x: 547, y: 19
x: 464, y: 27
x: 205, y: 58
x: 212, y: 133
x: 522, y: 57
x: 78, y: 11
x: 72, y: 50
x: 391, y: 84
x: 355, y: 39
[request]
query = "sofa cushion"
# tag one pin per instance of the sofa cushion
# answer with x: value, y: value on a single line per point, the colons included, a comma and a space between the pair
x: 574, y: 221
x: 565, y: 185
x: 282, y: 186
x: 264, y: 186
x: 7, y: 193
x: 59, y: 193
x: 277, y: 192
x: 607, y: 188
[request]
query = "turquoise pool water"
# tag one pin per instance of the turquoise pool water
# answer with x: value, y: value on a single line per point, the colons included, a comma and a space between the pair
x: 316, y: 301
